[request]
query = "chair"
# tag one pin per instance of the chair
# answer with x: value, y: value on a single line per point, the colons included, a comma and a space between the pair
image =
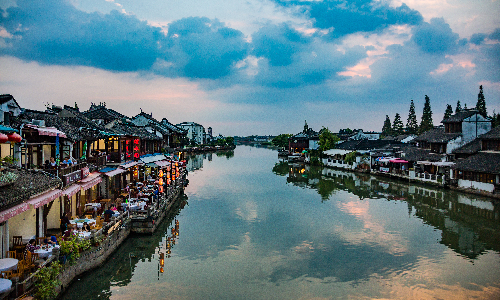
x: 88, y: 216
x: 11, y: 254
x: 40, y: 240
x: 29, y: 261
x: 17, y: 242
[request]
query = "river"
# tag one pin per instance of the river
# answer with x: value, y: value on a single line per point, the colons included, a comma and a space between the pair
x: 252, y: 227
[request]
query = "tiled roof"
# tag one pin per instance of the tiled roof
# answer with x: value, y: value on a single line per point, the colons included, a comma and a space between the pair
x: 164, y: 127
x: 436, y: 135
x: 472, y: 147
x: 493, y: 134
x: 132, y: 130
x: 77, y: 127
x: 460, y: 116
x: 103, y: 113
x: 27, y: 184
x: 366, y: 144
x: 483, y: 162
x: 417, y: 154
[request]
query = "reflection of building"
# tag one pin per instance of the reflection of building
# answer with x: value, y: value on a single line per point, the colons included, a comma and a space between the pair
x: 194, y: 162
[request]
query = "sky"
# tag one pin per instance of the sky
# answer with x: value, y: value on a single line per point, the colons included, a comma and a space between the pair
x: 246, y: 67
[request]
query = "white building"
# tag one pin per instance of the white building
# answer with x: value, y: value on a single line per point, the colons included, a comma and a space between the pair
x: 195, y: 132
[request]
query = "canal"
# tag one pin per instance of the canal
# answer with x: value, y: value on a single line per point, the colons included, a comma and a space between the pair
x: 252, y: 227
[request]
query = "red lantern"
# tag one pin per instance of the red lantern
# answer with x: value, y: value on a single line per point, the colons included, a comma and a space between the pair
x: 14, y: 137
x: 3, y: 138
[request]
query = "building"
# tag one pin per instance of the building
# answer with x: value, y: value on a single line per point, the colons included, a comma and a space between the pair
x: 195, y: 132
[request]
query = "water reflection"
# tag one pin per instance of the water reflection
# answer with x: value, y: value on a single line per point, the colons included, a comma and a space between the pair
x: 469, y: 224
x: 258, y: 229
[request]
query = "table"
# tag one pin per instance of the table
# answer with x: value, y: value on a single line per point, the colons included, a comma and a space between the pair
x: 93, y: 205
x: 84, y: 234
x: 43, y: 253
x: 5, y: 285
x: 7, y: 264
x: 79, y: 222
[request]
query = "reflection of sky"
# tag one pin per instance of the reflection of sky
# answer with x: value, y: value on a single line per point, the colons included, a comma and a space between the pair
x: 248, y: 234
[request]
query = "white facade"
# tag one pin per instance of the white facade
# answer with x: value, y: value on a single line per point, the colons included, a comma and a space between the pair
x: 195, y: 132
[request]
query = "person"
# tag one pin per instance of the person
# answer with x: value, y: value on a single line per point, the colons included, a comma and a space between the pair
x: 51, y: 241
x: 53, y: 162
x: 64, y: 222
x: 67, y: 233
x: 86, y: 227
x: 47, y: 164
x: 30, y: 246
x: 107, y: 214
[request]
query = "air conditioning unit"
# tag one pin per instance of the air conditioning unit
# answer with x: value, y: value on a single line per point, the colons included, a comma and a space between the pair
x: 39, y: 123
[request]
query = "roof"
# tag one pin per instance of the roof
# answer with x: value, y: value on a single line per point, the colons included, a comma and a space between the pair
x: 471, y: 147
x: 27, y: 183
x: 417, y: 154
x: 164, y: 127
x: 437, y: 135
x: 460, y: 116
x: 132, y: 130
x: 75, y: 125
x: 7, y: 97
x: 101, y: 112
x: 366, y: 144
x: 493, y: 134
x: 336, y: 151
x: 482, y: 162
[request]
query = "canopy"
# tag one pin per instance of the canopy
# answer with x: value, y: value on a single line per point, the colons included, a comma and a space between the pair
x: 130, y: 164
x: 13, y: 211
x: 385, y: 159
x: 45, y: 198
x: 50, y: 131
x: 398, y: 161
x: 115, y: 172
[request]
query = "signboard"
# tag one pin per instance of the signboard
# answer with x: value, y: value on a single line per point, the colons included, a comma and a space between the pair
x: 72, y: 177
x: 382, y: 169
x: 85, y: 172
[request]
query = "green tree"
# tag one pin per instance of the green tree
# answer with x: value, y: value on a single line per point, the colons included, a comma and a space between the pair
x: 281, y: 140
x: 481, y: 103
x: 397, y: 125
x: 327, y: 139
x: 426, y: 123
x: 448, y: 112
x: 459, y: 107
x: 411, y: 123
x: 386, y: 128
x: 495, y: 120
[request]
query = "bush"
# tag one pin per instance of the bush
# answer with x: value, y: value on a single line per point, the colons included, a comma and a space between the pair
x: 46, y: 281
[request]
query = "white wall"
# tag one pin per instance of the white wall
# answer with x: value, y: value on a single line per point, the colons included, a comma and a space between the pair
x: 53, y: 218
x: 24, y: 224
x: 489, y: 187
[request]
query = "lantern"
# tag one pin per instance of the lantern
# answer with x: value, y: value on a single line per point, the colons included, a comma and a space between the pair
x: 161, y: 173
x: 14, y: 137
x: 160, y: 182
x: 3, y: 138
x: 161, y: 189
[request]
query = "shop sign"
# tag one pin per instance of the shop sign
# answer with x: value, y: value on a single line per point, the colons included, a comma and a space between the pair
x: 85, y: 172
x: 72, y: 177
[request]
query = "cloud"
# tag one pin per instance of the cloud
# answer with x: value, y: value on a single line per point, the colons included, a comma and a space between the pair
x: 355, y: 16
x: 435, y: 37
x: 202, y: 48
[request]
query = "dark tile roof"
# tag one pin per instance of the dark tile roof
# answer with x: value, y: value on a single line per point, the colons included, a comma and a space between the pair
x: 415, y: 154
x: 127, y: 128
x: 493, y: 134
x: 27, y: 184
x: 471, y: 147
x: 366, y: 144
x: 76, y: 126
x: 6, y: 97
x: 165, y: 127
x: 103, y: 113
x: 436, y: 135
x: 460, y: 116
x: 483, y: 162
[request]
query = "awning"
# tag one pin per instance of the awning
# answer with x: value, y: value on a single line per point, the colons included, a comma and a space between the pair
x: 115, y: 172
x: 444, y: 163
x: 130, y: 164
x: 50, y: 131
x: 163, y: 163
x: 45, y: 198
x: 152, y: 158
x: 398, y: 161
x: 72, y: 189
x: 90, y: 181
x: 152, y: 165
x: 384, y: 159
x: 424, y: 162
x: 107, y: 169
x: 13, y: 211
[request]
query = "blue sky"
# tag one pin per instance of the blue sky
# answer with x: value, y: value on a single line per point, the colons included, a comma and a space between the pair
x: 253, y: 66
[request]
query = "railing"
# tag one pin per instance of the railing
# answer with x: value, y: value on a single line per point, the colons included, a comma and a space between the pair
x: 97, y: 160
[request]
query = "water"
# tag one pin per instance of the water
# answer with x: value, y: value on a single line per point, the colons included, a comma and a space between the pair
x: 254, y: 228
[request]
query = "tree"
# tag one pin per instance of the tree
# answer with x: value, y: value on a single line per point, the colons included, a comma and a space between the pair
x: 411, y: 123
x: 481, y: 103
x: 459, y: 107
x: 327, y: 139
x: 281, y: 140
x: 495, y: 120
x: 448, y: 112
x: 397, y: 125
x: 426, y: 123
x: 386, y: 129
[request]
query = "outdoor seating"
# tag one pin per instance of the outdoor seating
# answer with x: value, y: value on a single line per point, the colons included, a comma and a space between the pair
x: 17, y: 242
x: 11, y: 254
x: 40, y: 240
